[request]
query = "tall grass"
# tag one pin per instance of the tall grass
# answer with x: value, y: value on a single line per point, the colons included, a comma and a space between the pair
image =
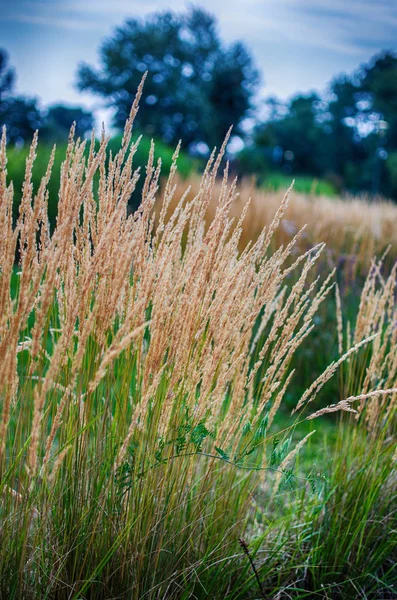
x: 17, y: 159
x: 142, y: 370
x: 346, y: 545
x: 354, y: 229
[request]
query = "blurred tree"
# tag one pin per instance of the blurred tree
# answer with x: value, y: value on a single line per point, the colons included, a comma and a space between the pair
x: 7, y: 75
x: 391, y: 166
x: 339, y: 123
x: 345, y: 136
x: 294, y: 133
x: 196, y: 86
x: 21, y: 115
x: 379, y: 82
x: 363, y: 124
x: 59, y: 119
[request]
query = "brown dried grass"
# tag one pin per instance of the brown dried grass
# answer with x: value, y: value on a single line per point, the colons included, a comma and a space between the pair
x: 354, y: 228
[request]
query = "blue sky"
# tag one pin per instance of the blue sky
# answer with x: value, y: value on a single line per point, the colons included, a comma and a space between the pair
x: 299, y: 45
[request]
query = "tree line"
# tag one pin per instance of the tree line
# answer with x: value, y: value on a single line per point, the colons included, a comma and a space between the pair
x: 22, y: 115
x: 197, y: 86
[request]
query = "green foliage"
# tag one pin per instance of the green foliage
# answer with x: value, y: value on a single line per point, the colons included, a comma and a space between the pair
x: 391, y: 165
x: 59, y: 120
x: 345, y: 136
x: 196, y: 86
x: 303, y: 184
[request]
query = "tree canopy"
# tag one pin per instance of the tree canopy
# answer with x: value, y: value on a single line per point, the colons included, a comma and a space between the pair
x: 348, y: 135
x: 196, y: 87
x: 21, y: 115
x: 59, y: 119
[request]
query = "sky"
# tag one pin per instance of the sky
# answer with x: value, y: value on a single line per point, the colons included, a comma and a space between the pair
x: 298, y: 45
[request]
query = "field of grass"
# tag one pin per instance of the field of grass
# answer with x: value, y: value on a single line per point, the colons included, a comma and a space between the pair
x: 191, y: 407
x: 354, y: 229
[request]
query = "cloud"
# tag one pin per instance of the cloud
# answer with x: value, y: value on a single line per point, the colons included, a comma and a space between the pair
x: 332, y: 25
x: 336, y: 25
x: 75, y: 14
x: 51, y: 21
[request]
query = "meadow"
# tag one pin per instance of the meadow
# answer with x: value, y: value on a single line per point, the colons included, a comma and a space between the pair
x: 198, y: 397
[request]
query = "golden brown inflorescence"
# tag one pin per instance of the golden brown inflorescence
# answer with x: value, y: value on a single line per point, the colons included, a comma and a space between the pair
x: 354, y: 228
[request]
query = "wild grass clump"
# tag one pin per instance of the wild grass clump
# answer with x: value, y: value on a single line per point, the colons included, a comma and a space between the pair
x: 142, y: 369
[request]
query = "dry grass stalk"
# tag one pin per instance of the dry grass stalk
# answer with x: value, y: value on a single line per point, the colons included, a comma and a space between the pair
x: 377, y: 316
x: 354, y: 229
x: 104, y: 269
